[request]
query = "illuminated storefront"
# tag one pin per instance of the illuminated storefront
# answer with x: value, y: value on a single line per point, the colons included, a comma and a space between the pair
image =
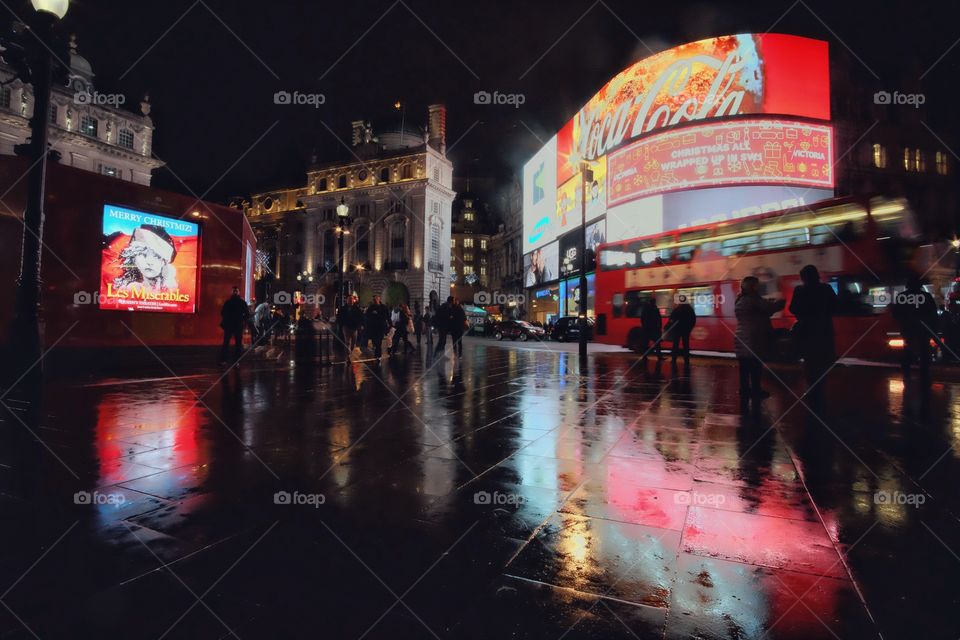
x: 544, y: 304
x: 720, y: 128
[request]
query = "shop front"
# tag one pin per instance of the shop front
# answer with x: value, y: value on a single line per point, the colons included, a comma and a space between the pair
x: 570, y: 296
x: 544, y: 304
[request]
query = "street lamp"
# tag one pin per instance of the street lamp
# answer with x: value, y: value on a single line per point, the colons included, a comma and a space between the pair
x: 586, y: 177
x: 343, y: 228
x: 25, y: 332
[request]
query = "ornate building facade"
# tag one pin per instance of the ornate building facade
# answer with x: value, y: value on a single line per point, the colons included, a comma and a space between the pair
x: 398, y: 189
x: 88, y: 130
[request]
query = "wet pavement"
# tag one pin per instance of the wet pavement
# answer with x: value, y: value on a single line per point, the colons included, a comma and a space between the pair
x: 500, y: 495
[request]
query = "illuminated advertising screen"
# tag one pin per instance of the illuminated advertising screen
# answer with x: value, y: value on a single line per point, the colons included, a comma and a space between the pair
x: 639, y: 114
x: 726, y: 153
x: 542, y: 265
x: 570, y: 248
x: 148, y: 262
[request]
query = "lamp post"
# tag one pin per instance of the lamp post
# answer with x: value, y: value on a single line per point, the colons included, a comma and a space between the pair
x: 25, y: 336
x: 586, y: 177
x: 343, y: 228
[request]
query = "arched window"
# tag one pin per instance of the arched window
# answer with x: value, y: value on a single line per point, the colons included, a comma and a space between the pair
x: 342, y: 182
x: 322, y: 184
x: 385, y: 174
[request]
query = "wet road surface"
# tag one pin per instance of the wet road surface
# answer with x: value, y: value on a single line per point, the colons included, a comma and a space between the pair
x: 500, y: 495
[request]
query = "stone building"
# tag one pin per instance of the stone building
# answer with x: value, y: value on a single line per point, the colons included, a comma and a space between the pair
x: 397, y: 186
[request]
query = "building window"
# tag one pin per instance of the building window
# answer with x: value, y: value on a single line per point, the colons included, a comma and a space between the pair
x: 89, y: 126
x: 906, y: 159
x: 483, y: 244
x: 363, y: 244
x: 435, y: 243
x: 919, y: 162
x: 342, y: 182
x: 322, y: 184
x: 941, y: 163
x: 468, y: 257
x: 467, y: 269
x: 468, y: 216
x: 53, y: 114
x: 23, y: 104
x: 879, y: 156
x: 468, y: 243
x: 5, y: 97
x: 468, y: 204
x: 397, y: 242
x: 125, y: 139
x: 436, y: 174
x: 329, y: 242
x: 113, y: 172
x: 483, y: 272
x: 385, y: 174
x: 453, y: 243
x: 406, y: 172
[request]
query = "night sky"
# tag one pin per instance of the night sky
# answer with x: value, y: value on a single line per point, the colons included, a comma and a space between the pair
x: 212, y: 68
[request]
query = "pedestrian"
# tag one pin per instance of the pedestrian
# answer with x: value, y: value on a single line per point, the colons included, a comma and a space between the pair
x: 349, y: 319
x: 417, y: 322
x: 652, y: 324
x: 403, y: 326
x: 458, y: 324
x: 916, y: 312
x: 376, y: 321
x: 233, y: 318
x: 442, y: 322
x: 680, y: 325
x: 754, y: 336
x: 428, y: 328
x: 814, y: 303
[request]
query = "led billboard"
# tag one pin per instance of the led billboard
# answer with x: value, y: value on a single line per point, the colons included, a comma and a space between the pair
x: 683, y: 88
x: 148, y: 262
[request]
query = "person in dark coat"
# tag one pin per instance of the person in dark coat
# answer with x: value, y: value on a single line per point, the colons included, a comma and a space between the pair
x: 376, y: 321
x: 233, y: 318
x: 417, y: 322
x: 753, y: 339
x: 681, y: 322
x: 916, y: 312
x: 652, y: 323
x: 458, y: 324
x: 814, y: 303
x: 442, y: 322
x: 350, y: 318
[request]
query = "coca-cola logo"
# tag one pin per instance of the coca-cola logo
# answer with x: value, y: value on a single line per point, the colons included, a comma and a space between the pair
x: 692, y: 88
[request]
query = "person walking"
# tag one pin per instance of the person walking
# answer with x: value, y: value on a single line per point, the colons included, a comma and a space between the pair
x: 428, y: 328
x: 376, y: 321
x: 458, y: 324
x: 754, y: 336
x: 349, y: 319
x: 403, y: 325
x: 233, y: 318
x: 417, y: 323
x: 814, y: 303
x: 916, y: 312
x: 680, y: 324
x: 442, y: 322
x: 652, y: 324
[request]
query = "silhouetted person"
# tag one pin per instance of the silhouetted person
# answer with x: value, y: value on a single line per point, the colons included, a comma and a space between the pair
x: 233, y: 318
x: 681, y: 322
x: 442, y: 321
x: 754, y: 336
x: 458, y: 324
x: 350, y: 319
x: 375, y: 322
x: 814, y: 304
x: 916, y: 312
x: 417, y: 322
x: 652, y: 323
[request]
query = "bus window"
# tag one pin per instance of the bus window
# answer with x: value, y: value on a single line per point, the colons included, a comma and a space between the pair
x: 613, y: 258
x: 739, y: 246
x: 783, y: 238
x: 700, y: 298
x: 617, y: 305
x: 633, y: 302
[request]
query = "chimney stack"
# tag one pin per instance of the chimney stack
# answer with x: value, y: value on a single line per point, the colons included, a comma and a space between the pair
x: 357, y: 137
x: 437, y: 127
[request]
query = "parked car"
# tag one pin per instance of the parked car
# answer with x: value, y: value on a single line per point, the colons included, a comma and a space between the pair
x: 518, y: 330
x: 568, y: 328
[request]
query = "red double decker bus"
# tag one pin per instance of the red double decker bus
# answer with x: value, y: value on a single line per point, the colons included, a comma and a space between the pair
x: 865, y: 248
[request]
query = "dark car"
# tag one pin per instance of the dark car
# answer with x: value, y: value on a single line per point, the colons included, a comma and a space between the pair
x: 518, y: 330
x: 568, y: 328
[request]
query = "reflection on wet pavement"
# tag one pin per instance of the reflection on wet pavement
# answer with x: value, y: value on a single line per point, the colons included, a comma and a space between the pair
x: 502, y: 495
